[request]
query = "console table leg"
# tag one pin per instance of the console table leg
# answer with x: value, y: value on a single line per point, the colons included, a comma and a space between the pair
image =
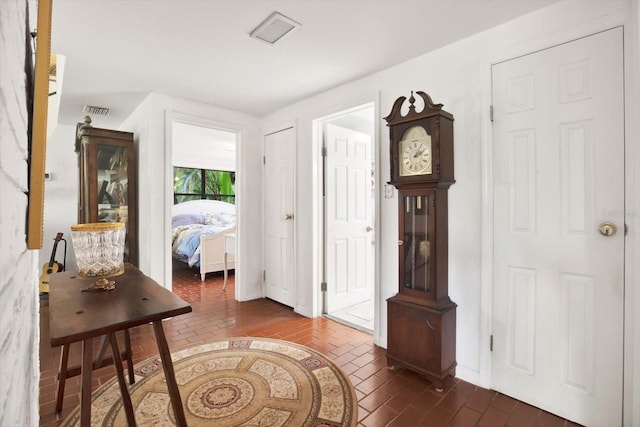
x: 104, y: 342
x: 85, y: 388
x: 127, y: 346
x: 126, y: 398
x: 169, y: 373
x: 62, y: 376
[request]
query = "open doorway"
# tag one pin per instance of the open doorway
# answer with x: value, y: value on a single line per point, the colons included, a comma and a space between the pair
x: 349, y: 201
x: 203, y: 220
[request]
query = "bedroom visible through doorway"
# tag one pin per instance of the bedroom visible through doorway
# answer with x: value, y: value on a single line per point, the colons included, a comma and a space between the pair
x: 203, y: 214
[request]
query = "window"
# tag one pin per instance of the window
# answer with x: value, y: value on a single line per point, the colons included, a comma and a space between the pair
x: 193, y: 184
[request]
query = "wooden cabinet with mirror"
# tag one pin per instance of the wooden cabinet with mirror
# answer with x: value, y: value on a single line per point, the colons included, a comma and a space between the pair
x: 107, y: 180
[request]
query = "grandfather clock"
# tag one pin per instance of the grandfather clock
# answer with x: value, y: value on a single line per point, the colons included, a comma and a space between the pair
x: 421, y: 317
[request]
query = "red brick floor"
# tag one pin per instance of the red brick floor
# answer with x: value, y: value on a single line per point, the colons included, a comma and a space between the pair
x: 385, y: 398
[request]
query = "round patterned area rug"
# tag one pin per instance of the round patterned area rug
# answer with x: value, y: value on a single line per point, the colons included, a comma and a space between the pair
x: 235, y: 382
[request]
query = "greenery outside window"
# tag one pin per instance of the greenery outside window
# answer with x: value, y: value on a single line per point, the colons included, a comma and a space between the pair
x: 195, y: 184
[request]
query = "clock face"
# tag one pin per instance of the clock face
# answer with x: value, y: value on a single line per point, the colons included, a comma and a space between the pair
x: 415, y: 152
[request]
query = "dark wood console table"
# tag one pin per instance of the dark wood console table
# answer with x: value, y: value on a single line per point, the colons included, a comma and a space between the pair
x: 76, y: 316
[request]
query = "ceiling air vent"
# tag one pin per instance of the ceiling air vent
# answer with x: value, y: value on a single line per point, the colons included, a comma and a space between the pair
x: 96, y: 111
x: 274, y: 28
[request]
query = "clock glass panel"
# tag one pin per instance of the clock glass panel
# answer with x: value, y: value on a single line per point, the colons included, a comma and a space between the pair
x: 415, y: 152
x: 417, y: 247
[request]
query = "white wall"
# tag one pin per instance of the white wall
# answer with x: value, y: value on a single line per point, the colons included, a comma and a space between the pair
x: 61, y: 195
x: 19, y: 306
x: 459, y: 77
x: 203, y: 147
x: 450, y: 76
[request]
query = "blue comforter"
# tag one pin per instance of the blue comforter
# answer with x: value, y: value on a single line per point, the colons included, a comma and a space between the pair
x: 186, y: 241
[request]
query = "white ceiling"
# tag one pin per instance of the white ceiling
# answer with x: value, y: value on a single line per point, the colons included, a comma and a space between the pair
x: 118, y: 51
x: 203, y: 147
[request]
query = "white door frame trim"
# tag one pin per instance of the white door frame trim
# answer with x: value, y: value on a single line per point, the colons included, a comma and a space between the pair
x: 317, y: 129
x: 171, y: 117
x: 631, y: 415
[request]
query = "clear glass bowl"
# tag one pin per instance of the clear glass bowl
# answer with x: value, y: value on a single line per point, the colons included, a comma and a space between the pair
x: 99, y: 249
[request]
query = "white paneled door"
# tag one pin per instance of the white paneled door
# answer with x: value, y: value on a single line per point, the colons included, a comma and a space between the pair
x: 558, y: 173
x: 348, y: 217
x: 279, y: 157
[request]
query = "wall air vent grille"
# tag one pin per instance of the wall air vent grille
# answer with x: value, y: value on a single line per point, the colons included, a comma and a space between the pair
x: 95, y: 111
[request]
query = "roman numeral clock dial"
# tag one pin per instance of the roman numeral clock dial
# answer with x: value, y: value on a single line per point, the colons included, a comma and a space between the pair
x: 415, y: 148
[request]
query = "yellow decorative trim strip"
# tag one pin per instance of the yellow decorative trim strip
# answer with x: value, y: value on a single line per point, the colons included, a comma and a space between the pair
x: 98, y: 226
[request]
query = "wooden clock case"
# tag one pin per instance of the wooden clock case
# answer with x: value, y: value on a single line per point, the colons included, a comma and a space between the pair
x: 421, y: 328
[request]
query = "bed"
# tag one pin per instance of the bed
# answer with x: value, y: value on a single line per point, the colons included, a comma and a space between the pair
x: 198, y: 234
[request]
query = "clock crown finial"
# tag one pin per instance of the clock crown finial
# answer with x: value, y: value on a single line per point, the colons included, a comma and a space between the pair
x: 429, y: 109
x: 412, y: 107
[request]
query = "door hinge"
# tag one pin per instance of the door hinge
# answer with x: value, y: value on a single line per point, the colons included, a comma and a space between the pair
x: 491, y: 343
x: 264, y: 160
x: 323, y: 286
x: 324, y: 151
x: 491, y: 113
x: 264, y: 275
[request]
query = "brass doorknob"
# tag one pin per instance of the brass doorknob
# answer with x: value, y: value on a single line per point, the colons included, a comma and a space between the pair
x: 607, y: 229
x: 288, y: 217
